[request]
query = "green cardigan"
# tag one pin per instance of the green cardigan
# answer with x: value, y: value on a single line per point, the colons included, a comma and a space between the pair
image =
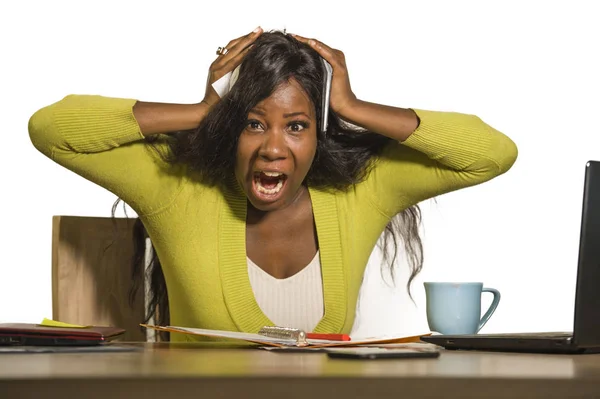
x: 198, y: 231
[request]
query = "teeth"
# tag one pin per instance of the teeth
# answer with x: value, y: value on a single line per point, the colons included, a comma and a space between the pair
x: 272, y: 174
x: 273, y: 190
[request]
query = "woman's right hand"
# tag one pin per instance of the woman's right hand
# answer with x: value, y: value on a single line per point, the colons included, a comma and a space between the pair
x: 237, y: 49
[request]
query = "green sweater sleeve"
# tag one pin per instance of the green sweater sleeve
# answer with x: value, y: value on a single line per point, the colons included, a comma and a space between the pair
x: 99, y: 139
x: 447, y: 152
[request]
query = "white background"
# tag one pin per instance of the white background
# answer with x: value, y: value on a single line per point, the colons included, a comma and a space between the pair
x: 528, y: 68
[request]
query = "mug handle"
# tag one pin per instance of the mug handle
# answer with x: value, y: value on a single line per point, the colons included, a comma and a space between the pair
x: 492, y: 307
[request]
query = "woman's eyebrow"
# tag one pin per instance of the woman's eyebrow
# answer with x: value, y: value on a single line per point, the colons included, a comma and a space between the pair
x: 296, y: 114
x: 287, y: 115
x: 258, y: 111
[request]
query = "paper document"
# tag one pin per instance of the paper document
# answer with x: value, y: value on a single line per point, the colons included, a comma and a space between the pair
x: 280, y: 342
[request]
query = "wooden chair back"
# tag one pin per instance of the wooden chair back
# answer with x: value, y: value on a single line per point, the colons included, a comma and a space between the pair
x: 91, y: 274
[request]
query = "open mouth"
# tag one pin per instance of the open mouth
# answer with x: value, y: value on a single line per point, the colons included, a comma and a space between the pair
x: 268, y: 185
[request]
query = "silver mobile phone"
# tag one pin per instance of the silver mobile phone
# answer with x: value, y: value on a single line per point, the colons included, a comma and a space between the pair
x: 326, y: 94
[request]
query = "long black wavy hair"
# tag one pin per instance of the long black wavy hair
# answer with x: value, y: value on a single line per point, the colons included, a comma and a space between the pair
x: 343, y: 156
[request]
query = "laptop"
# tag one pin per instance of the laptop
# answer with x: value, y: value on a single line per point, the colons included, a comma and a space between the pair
x: 27, y: 334
x: 585, y: 337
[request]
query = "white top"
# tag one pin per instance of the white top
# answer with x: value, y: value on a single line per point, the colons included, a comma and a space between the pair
x: 296, y: 301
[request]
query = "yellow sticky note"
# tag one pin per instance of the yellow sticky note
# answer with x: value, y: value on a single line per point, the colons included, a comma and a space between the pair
x: 52, y: 323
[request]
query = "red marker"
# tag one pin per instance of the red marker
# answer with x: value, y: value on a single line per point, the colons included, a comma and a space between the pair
x: 330, y: 337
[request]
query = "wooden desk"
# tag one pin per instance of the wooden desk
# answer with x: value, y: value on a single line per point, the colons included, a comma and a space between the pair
x: 182, y: 371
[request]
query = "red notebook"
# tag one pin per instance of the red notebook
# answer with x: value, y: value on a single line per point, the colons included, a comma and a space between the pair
x: 36, y: 334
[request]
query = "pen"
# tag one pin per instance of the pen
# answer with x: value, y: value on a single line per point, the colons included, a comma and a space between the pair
x: 330, y: 337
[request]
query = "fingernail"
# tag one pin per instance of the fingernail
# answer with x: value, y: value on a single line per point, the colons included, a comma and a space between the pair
x: 258, y: 29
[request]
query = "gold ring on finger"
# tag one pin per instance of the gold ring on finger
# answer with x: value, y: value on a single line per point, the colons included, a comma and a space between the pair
x: 222, y: 51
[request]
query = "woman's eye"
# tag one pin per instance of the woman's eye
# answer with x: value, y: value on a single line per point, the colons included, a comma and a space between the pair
x: 298, y: 126
x: 254, y: 125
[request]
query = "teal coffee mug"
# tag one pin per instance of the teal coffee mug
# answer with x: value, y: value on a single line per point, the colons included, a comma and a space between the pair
x: 455, y: 308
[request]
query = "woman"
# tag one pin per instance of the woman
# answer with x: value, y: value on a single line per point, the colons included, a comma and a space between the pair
x: 257, y: 216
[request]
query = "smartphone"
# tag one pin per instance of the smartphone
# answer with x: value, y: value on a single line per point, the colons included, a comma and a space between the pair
x: 326, y: 94
x: 380, y: 353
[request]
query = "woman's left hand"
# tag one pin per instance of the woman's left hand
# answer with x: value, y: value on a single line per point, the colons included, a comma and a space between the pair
x: 342, y: 98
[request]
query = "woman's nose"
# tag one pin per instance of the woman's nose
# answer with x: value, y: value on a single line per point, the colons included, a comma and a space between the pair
x: 273, y: 147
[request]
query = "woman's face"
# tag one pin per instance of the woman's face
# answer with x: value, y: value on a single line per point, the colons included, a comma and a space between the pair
x: 277, y: 147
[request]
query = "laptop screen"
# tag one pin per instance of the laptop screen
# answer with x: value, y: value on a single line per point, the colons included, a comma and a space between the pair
x: 586, y: 331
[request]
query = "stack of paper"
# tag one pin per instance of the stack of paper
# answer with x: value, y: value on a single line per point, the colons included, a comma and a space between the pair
x: 279, y: 342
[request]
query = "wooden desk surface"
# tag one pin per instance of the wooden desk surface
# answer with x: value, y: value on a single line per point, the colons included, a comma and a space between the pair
x: 189, y: 370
